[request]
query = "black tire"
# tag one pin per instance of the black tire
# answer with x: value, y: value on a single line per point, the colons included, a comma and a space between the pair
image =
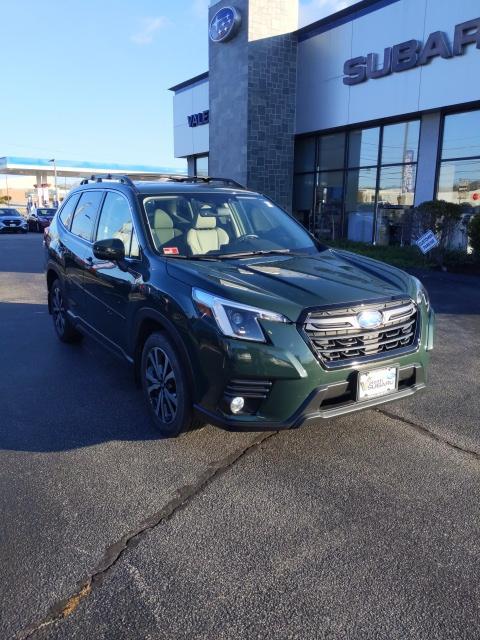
x: 37, y: 228
x: 166, y: 388
x: 64, y: 329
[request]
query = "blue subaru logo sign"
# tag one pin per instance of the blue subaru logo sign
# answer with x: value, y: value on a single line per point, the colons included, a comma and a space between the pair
x: 370, y: 319
x: 224, y: 24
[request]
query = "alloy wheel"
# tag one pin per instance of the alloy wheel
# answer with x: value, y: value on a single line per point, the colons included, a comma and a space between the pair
x: 161, y: 385
x: 58, y: 310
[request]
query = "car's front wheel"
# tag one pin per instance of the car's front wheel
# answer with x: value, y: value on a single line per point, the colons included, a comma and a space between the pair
x: 165, y: 387
x: 61, y: 322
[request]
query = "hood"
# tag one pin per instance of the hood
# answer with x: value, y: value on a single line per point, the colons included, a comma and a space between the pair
x: 290, y: 284
x: 11, y: 216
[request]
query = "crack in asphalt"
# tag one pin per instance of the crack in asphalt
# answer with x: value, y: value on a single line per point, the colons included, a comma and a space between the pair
x: 114, y: 552
x: 184, y: 495
x: 430, y: 434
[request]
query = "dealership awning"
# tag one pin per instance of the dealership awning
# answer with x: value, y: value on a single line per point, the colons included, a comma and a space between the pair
x: 12, y: 165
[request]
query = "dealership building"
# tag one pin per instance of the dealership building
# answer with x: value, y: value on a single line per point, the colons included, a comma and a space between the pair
x: 348, y: 122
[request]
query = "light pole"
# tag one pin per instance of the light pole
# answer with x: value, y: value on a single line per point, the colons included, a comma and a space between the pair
x: 55, y: 180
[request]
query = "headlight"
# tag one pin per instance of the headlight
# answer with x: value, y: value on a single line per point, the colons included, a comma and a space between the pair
x: 422, y: 295
x: 233, y: 318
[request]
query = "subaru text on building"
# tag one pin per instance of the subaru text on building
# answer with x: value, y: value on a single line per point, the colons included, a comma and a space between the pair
x: 228, y: 309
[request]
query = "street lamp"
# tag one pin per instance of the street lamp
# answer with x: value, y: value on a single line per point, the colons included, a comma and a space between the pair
x: 55, y: 180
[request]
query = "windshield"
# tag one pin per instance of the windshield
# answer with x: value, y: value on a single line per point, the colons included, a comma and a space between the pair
x: 9, y: 212
x: 46, y: 212
x: 219, y: 226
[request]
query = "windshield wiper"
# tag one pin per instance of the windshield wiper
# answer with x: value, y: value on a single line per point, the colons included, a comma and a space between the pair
x: 250, y: 254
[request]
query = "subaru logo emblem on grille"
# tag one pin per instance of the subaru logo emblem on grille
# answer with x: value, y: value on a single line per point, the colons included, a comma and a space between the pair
x: 370, y: 319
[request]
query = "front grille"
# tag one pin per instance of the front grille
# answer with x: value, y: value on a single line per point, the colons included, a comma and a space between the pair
x: 15, y: 222
x: 337, y: 338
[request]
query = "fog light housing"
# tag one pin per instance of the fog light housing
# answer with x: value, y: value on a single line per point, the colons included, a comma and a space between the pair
x: 237, y: 404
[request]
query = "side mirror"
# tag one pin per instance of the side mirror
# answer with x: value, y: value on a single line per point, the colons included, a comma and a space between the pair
x: 112, y: 250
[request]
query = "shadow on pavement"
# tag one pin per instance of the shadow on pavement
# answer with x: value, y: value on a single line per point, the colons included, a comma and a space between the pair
x: 26, y: 247
x: 56, y: 397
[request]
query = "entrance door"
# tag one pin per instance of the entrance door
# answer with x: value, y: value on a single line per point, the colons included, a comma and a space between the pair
x: 393, y: 225
x: 328, y: 211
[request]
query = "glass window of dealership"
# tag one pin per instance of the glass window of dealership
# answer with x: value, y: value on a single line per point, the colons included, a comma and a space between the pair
x: 359, y: 184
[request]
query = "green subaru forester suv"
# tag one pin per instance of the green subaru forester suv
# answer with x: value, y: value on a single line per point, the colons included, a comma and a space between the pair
x: 228, y: 310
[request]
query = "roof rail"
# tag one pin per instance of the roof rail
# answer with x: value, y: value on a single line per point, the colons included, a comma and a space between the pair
x: 166, y: 177
x: 108, y: 176
x: 208, y: 180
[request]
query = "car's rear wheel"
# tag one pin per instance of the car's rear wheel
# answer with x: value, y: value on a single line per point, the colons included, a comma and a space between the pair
x: 165, y: 387
x: 61, y: 322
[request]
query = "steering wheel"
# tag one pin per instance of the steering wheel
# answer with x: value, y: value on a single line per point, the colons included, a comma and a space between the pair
x: 247, y: 236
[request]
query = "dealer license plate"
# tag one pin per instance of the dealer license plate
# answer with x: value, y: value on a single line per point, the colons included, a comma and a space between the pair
x: 377, y: 382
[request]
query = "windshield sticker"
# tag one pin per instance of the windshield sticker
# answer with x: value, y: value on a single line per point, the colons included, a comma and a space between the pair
x: 170, y: 251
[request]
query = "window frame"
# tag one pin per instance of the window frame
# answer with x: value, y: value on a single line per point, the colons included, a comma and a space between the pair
x: 201, y: 156
x: 380, y: 124
x: 64, y: 204
x: 440, y: 161
x: 94, y: 223
x: 134, y: 226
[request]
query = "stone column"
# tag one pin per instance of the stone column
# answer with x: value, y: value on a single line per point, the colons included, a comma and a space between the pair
x: 252, y: 98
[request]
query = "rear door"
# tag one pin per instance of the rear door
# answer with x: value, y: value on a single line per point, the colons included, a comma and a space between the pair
x: 75, y: 247
x: 109, y: 289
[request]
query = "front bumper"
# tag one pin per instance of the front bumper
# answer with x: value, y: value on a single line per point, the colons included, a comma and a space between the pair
x: 296, y: 388
x: 21, y: 228
x: 325, y: 402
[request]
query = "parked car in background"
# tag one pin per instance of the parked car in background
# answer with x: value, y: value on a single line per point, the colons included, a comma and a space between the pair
x: 229, y: 311
x: 39, y: 219
x: 12, y: 221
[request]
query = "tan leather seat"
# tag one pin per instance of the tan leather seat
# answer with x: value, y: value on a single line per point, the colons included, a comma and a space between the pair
x: 205, y: 236
x: 162, y: 228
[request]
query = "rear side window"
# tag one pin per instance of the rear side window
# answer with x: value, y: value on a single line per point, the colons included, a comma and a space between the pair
x: 116, y: 222
x: 68, y: 208
x: 86, y: 213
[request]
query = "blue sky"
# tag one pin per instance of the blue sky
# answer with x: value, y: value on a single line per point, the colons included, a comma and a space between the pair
x: 88, y: 80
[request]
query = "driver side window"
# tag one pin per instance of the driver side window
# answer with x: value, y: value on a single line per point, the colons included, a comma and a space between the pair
x: 116, y: 222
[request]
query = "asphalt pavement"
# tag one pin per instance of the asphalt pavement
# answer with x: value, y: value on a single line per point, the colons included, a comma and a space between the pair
x: 363, y: 527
